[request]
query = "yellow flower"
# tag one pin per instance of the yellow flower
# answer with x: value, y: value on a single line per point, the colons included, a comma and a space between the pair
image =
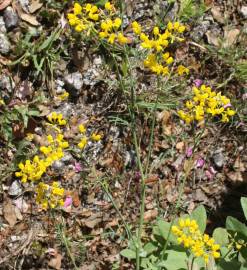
x: 108, y: 6
x: 156, y: 31
x: 181, y: 70
x: 117, y: 23
x: 77, y: 9
x: 122, y: 39
x: 136, y: 28
x: 82, y: 143
x: 169, y: 61
x: 82, y: 128
x: 29, y: 136
x: 112, y: 38
x: 96, y: 137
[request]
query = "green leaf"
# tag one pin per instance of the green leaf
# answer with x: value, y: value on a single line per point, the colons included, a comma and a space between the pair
x: 200, y: 215
x: 233, y: 265
x: 243, y: 267
x: 174, y: 260
x: 221, y: 236
x: 232, y: 224
x: 128, y: 253
x: 164, y: 228
x: 150, y: 247
x: 244, y: 206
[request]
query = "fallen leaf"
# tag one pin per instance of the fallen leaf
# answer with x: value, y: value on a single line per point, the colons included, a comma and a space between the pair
x: 213, y: 39
x: 76, y: 199
x: 4, y: 4
x: 230, y: 37
x: 180, y: 146
x: 56, y: 261
x: 35, y: 5
x: 239, y: 165
x: 150, y: 214
x: 218, y: 16
x: 9, y: 212
x: 235, y: 176
x: 24, y: 16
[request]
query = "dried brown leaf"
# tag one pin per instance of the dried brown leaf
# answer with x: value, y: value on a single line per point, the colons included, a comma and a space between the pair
x: 35, y: 5
x: 4, y: 4
x: 9, y: 213
x: 218, y: 16
x: 230, y: 37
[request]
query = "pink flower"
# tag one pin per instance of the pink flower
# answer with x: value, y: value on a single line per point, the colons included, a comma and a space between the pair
x: 189, y: 152
x: 228, y: 106
x: 197, y: 82
x: 200, y: 162
x: 67, y: 202
x: 78, y: 167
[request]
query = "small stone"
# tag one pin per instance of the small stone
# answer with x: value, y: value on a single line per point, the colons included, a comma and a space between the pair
x: 243, y: 11
x: 218, y: 158
x: 15, y: 189
x: 67, y: 158
x: 74, y: 81
x: 66, y: 110
x: 91, y: 77
x: 4, y: 44
x: 6, y: 83
x: 2, y: 26
x: 10, y: 18
x: 97, y: 61
x: 25, y: 5
x: 58, y: 165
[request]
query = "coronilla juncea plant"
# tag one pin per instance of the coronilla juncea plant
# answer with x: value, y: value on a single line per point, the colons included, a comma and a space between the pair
x: 56, y: 118
x: 206, y: 103
x: 49, y: 196
x: 159, y: 59
x: 200, y: 245
x: 84, y: 139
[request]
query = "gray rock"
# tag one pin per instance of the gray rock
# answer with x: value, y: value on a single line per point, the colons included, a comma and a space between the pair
x: 15, y: 189
x: 58, y: 165
x: 6, y: 83
x: 243, y: 11
x: 199, y: 31
x: 74, y: 81
x: 66, y: 110
x: 91, y: 77
x: 218, y: 158
x: 4, y: 44
x: 67, y: 158
x: 25, y: 5
x: 10, y: 18
x: 2, y: 25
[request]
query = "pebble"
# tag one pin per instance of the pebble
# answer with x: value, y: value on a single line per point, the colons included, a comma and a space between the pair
x: 66, y: 110
x: 10, y: 18
x: 90, y: 77
x: 2, y: 25
x: 218, y: 158
x: 15, y: 189
x: 58, y: 165
x: 6, y: 83
x: 67, y: 158
x: 74, y: 81
x: 25, y: 5
x: 243, y: 11
x: 4, y: 44
x: 199, y: 31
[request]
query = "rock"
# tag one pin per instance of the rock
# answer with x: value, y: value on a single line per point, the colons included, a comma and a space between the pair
x: 25, y: 5
x: 199, y: 31
x: 74, y: 82
x: 4, y: 44
x: 2, y: 26
x: 218, y: 158
x: 91, y: 77
x: 15, y: 189
x: 59, y: 86
x: 66, y: 110
x: 67, y: 158
x: 58, y: 165
x: 243, y: 11
x: 6, y: 83
x: 10, y: 18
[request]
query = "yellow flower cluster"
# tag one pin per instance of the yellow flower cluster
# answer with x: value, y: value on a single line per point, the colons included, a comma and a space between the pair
x: 206, y: 102
x: 57, y: 118
x: 33, y: 170
x: 49, y: 196
x: 189, y: 235
x: 84, y: 140
x: 83, y: 17
x: 63, y: 96
x: 158, y: 60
